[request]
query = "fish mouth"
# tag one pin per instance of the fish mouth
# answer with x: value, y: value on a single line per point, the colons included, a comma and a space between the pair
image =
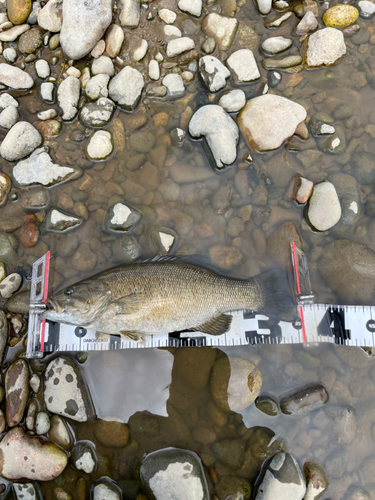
x: 55, y: 305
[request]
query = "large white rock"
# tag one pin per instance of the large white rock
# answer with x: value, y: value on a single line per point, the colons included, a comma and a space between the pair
x: 100, y: 145
x: 213, y: 72
x: 84, y: 24
x: 50, y: 17
x: 243, y: 66
x: 219, y: 131
x: 126, y: 88
x: 325, y: 48
x: 130, y: 13
x: 193, y: 7
x: 179, y: 46
x: 324, y: 207
x: 46, y: 91
x: 268, y: 120
x: 21, y: 140
x: 14, y: 77
x: 68, y: 97
x: 221, y: 28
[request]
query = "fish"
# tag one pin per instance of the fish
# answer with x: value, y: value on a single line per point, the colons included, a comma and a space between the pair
x: 164, y: 296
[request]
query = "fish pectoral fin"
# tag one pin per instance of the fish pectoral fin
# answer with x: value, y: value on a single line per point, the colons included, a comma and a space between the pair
x: 129, y: 304
x: 215, y: 326
x: 131, y: 335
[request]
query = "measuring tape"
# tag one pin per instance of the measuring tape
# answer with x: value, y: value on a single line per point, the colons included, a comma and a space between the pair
x: 346, y: 325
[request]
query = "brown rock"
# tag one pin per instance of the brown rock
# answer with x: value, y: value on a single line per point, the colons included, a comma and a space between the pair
x: 193, y: 366
x: 225, y: 257
x: 18, y: 10
x: 30, y: 41
x: 117, y: 130
x: 48, y: 128
x: 134, y: 121
x: 111, y: 433
x: 5, y: 185
x: 278, y: 244
x: 16, y: 391
x: 84, y: 259
x: 29, y: 235
x: 183, y: 173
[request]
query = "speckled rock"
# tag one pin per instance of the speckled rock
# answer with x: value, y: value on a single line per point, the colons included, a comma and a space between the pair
x: 45, y: 461
x: 340, y: 15
x: 126, y: 88
x: 72, y: 399
x: 16, y: 391
x: 58, y: 433
x: 30, y: 41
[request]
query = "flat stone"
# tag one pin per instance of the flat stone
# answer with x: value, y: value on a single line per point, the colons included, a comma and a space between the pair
x: 68, y: 97
x: 268, y: 120
x: 126, y: 88
x: 174, y: 84
x: 122, y: 218
x: 308, y: 24
x: 16, y: 392
x: 130, y: 13
x: 192, y: 7
x: 14, y: 77
x: 340, y: 15
x: 233, y: 101
x: 21, y: 140
x: 13, y: 33
x: 50, y: 16
x: 219, y: 131
x: 10, y: 55
x: 276, y: 44
x: 325, y: 47
x: 47, y: 91
x: 243, y: 66
x: 213, y: 72
x: 84, y: 24
x: 167, y: 15
x: 8, y: 117
x: 97, y: 87
x: 10, y: 285
x: 71, y: 399
x: 179, y: 46
x: 100, y: 145
x: 324, y: 209
x: 221, y: 28
x: 114, y: 38
x: 283, y: 62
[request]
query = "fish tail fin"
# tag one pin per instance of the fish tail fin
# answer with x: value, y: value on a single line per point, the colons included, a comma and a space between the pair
x: 276, y: 300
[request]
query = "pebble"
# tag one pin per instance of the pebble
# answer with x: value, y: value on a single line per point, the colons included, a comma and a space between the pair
x: 35, y: 383
x: 42, y: 423
x: 316, y: 480
x: 8, y: 117
x: 221, y: 28
x: 366, y: 9
x: 126, y: 88
x: 97, y: 87
x: 219, y: 131
x: 122, y: 218
x: 243, y: 66
x: 47, y: 91
x: 233, y: 101
x: 3, y: 344
x: 174, y: 85
x: 308, y: 24
x: 344, y: 422
x: 68, y: 97
x: 50, y: 16
x: 25, y: 491
x: 209, y: 45
x: 267, y: 121
x: 142, y: 142
x: 97, y: 114
x: 153, y: 70
x: 264, y: 6
x: 164, y: 239
x: 340, y: 15
x: 10, y: 55
x: 172, y: 31
x: 324, y: 210
x: 98, y: 50
x: 276, y: 44
x: 167, y: 15
x: 10, y: 285
x: 304, y: 190
x: 71, y: 399
x: 59, y: 221
x: 45, y: 461
x: 83, y: 26
x: 13, y: 33
x: 42, y: 68
x: 279, y: 20
x: 282, y: 479
x: 14, y: 77
x: 273, y: 78
x: 267, y: 405
x: 174, y: 473
x: 179, y: 46
x: 106, y: 490
x: 102, y: 65
x: 325, y: 47
x: 305, y: 400
x: 130, y: 13
x: 364, y: 167
x: 83, y: 457
x: 58, y: 433
x: 8, y: 244
x: 16, y: 391
x: 192, y: 7
x: 30, y: 41
x: 114, y: 38
x: 213, y: 73
x: 39, y: 169
x: 21, y: 140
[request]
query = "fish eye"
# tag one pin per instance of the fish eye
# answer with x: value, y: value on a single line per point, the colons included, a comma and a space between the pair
x: 68, y: 291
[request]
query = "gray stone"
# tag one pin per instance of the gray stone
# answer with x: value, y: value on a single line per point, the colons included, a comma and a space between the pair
x: 130, y: 13
x: 21, y: 140
x: 276, y: 44
x: 100, y: 145
x: 172, y: 31
x: 13, y: 33
x: 221, y: 28
x: 209, y: 45
x: 140, y: 51
x: 220, y: 133
x: 39, y: 169
x: 324, y: 210
x: 42, y: 423
x: 308, y: 24
x: 193, y: 7
x: 10, y: 285
x: 46, y: 91
x: 325, y: 48
x: 283, y: 62
x: 335, y: 144
x: 126, y: 249
x: 363, y: 167
x: 97, y: 114
x: 84, y: 24
x: 65, y: 392
x: 35, y: 383
x: 14, y: 77
x: 126, y: 88
x: 50, y: 17
x: 348, y: 193
x: 303, y: 400
x: 102, y: 64
x: 7, y: 100
x: 68, y: 97
x: 84, y: 458
x: 97, y: 87
x: 59, y: 221
x: 42, y: 68
x: 167, y: 15
x: 179, y: 46
x: 163, y: 238
x: 122, y: 218
x: 174, y: 85
x: 8, y: 117
x: 33, y: 16
x: 10, y: 55
x: 283, y: 479
x: 243, y: 66
x: 344, y: 422
x: 233, y: 101
x: 16, y: 391
x: 174, y: 473
x: 213, y: 72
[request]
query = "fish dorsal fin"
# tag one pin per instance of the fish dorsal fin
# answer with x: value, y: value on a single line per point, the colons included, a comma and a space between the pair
x: 215, y: 326
x: 129, y: 304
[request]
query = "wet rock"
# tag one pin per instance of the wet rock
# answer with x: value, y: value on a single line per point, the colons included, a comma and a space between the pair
x: 167, y: 15
x: 59, y: 221
x: 363, y: 167
x: 142, y: 142
x: 83, y: 26
x: 335, y: 464
x: 193, y: 366
x: 232, y: 488
x: 243, y: 66
x: 324, y: 210
x: 42, y: 423
x: 320, y: 127
x: 10, y: 55
x: 220, y: 134
x: 126, y: 88
x: 340, y: 15
x: 58, y: 433
x: 26, y: 491
x: 126, y: 249
x: 178, y: 46
x: 221, y: 28
x: 267, y: 121
x: 30, y: 41
x: 283, y: 62
x: 14, y: 77
x: 192, y: 7
x: 183, y: 173
x: 267, y: 405
x: 45, y: 461
x: 273, y: 78
x: 230, y: 452
x: 114, y: 38
x: 10, y: 285
x: 21, y: 140
x: 50, y: 16
x: 35, y: 383
x: 130, y: 13
x: 279, y: 20
x: 278, y: 244
x: 283, y: 478
x: 171, y: 473
x: 121, y: 218
x: 366, y: 9
x: 83, y: 456
x: 19, y: 303
x: 68, y: 97
x: 344, y: 422
x: 47, y: 91
x: 16, y: 392
x: 5, y: 186
x: 225, y: 257
x: 97, y: 114
x: 334, y: 144
x: 233, y: 101
x: 164, y: 239
x: 325, y: 47
x: 214, y: 74
x: 100, y: 145
x: 235, y: 384
x: 154, y: 70
x: 308, y: 24
x: 111, y: 433
x: 174, y: 85
x: 347, y: 191
x: 71, y: 398
x: 316, y: 480
x: 304, y: 400
x: 18, y: 10
x: 39, y: 169
x: 276, y: 44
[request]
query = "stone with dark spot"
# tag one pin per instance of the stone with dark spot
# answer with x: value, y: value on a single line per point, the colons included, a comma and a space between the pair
x: 16, y: 391
x: 72, y: 398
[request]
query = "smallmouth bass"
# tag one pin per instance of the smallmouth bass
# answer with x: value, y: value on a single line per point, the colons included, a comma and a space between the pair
x: 160, y: 297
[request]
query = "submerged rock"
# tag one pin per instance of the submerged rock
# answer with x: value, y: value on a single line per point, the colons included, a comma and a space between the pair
x: 97, y: 114
x: 233, y: 101
x: 107, y: 490
x: 59, y: 221
x: 16, y: 391
x: 276, y: 44
x: 164, y: 239
x: 68, y: 97
x: 3, y: 334
x: 302, y: 401
x: 83, y: 456
x: 58, y: 433
x: 100, y: 145
x: 220, y: 134
x: 340, y: 15
x: 122, y: 218
x: 173, y: 473
x: 316, y: 480
x: 324, y: 210
x: 178, y: 46
x: 21, y: 140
